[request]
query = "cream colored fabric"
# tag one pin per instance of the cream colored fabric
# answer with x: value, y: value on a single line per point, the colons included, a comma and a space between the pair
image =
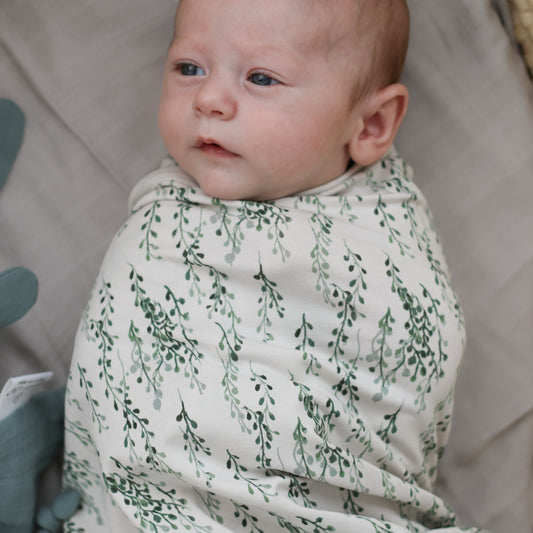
x: 289, y: 364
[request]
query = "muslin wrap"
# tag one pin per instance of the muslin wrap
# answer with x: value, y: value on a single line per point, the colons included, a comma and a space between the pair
x: 266, y: 367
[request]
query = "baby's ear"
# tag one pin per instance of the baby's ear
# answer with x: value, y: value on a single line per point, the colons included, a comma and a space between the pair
x: 379, y: 118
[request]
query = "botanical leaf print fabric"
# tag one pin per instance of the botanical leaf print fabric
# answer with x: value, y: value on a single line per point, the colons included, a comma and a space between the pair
x: 266, y: 367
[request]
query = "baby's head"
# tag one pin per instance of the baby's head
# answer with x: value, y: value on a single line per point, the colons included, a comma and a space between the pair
x: 264, y: 99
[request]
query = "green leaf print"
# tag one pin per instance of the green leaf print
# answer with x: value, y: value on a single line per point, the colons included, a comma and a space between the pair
x: 211, y: 504
x: 432, y: 436
x: 323, y: 422
x: 231, y: 377
x: 336, y: 461
x: 382, y: 352
x: 306, y: 347
x: 417, y: 358
x: 78, y: 430
x: 420, y: 223
x: 248, y: 520
x: 259, y: 215
x: 170, y: 190
x: 317, y: 525
x: 346, y: 388
x: 79, y: 473
x: 118, y: 391
x: 390, y: 427
x: 273, y: 218
x: 299, y: 492
x: 331, y: 459
x: 321, y: 226
x: 387, y: 222
x: 157, y: 509
x: 309, y: 526
x: 350, y: 502
x: 270, y: 299
x: 187, y: 344
x: 141, y: 366
x: 347, y: 317
x: 172, y: 348
x: 150, y: 234
x: 262, y: 418
x: 349, y: 301
x: 194, y: 444
x: 378, y: 525
x: 303, y: 459
x: 240, y: 472
x: 347, y: 207
x: 94, y: 405
x: 400, y: 184
x: 363, y: 436
x: 189, y: 238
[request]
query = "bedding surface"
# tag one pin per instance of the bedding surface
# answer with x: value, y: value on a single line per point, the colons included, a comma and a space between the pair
x: 86, y: 75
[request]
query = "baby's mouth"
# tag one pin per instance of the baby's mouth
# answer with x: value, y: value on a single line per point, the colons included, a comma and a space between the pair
x: 211, y: 147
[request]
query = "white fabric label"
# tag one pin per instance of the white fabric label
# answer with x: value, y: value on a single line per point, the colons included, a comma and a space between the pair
x: 18, y: 390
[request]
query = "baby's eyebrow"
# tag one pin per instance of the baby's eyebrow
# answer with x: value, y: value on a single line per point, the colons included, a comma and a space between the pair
x: 175, y: 35
x: 172, y: 40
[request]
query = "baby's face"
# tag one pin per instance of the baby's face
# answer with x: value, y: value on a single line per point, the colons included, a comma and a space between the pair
x: 256, y: 97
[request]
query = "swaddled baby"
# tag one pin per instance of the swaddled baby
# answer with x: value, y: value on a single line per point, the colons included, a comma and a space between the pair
x: 272, y: 341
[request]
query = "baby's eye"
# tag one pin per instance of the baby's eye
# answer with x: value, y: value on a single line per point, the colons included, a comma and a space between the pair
x: 188, y: 69
x: 259, y: 78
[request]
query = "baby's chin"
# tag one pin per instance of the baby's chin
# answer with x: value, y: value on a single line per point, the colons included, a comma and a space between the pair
x: 233, y: 181
x: 231, y: 187
x: 223, y: 189
x: 229, y: 195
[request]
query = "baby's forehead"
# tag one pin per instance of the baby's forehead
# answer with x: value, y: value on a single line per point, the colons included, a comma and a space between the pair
x: 322, y: 21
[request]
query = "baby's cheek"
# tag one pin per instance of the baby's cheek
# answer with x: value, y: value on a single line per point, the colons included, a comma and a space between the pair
x: 163, y: 121
x: 170, y: 130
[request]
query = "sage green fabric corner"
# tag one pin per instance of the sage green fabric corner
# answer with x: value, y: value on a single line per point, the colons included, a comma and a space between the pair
x: 29, y: 439
x: 12, y: 123
x: 18, y: 286
x: 18, y: 292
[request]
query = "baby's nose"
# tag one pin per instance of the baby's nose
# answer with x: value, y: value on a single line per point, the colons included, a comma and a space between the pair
x: 215, y: 99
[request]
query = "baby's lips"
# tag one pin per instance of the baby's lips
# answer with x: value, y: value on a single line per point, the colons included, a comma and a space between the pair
x: 212, y: 147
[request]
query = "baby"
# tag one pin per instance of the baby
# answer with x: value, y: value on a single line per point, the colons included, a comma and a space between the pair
x: 272, y: 342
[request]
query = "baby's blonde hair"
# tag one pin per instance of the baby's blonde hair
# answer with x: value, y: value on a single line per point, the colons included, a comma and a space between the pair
x: 382, y: 28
